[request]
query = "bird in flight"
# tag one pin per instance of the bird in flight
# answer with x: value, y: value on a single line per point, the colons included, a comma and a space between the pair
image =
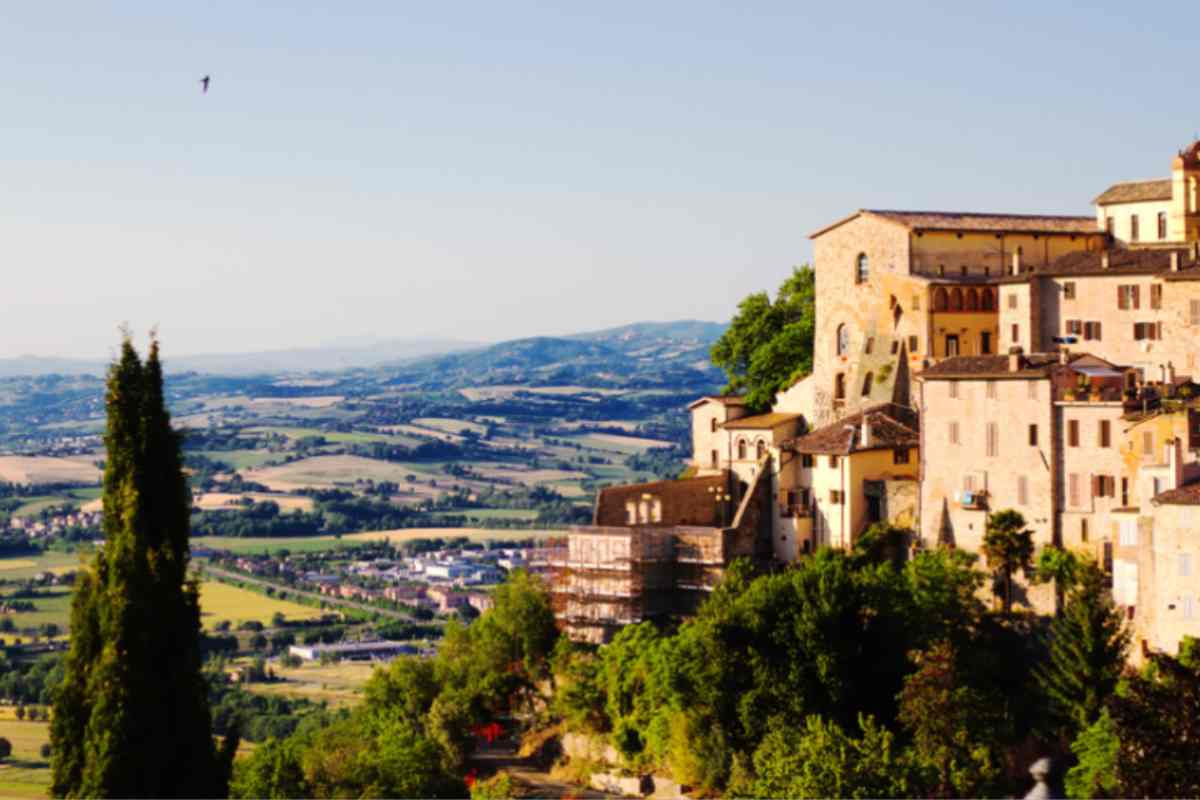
x: 204, y: 83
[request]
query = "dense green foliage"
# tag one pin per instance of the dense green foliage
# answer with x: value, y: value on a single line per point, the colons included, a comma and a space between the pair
x: 1088, y: 645
x: 412, y: 735
x: 1008, y: 547
x: 769, y: 344
x: 131, y: 717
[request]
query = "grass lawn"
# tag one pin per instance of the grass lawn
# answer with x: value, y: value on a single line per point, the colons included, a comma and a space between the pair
x: 55, y: 608
x: 338, y: 684
x: 25, y: 773
x: 221, y: 601
x: 33, y: 505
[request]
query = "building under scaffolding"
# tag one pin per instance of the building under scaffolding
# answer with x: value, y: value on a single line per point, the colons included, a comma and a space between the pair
x: 655, y: 552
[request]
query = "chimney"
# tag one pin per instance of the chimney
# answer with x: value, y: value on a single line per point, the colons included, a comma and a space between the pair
x: 1016, y: 262
x: 1174, y: 464
x: 1014, y: 358
x: 866, y: 440
x: 1170, y: 374
x: 1104, y: 260
x: 1174, y: 261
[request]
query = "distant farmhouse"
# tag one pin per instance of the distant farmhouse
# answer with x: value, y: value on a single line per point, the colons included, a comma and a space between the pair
x: 964, y: 363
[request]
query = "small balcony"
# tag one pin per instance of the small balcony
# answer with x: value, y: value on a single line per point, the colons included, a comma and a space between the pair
x: 972, y: 500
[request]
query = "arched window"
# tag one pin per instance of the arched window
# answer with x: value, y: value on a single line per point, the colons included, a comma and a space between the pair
x: 940, y: 299
x: 956, y: 300
x: 862, y: 269
x: 867, y: 381
x: 987, y: 302
x: 741, y: 449
x: 760, y: 449
x: 843, y: 339
x: 972, y: 300
x: 839, y: 387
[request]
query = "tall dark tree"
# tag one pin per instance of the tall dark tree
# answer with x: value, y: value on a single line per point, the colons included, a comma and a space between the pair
x: 131, y: 718
x: 1008, y: 547
x: 1088, y: 643
x: 770, y: 343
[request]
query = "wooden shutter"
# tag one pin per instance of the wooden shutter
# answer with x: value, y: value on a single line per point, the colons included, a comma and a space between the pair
x: 1137, y: 302
x: 1122, y: 298
x: 1096, y: 486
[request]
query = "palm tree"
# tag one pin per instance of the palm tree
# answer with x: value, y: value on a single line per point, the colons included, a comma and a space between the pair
x: 1008, y: 547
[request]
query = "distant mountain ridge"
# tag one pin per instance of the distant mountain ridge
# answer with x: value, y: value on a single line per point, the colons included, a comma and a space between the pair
x: 642, y: 353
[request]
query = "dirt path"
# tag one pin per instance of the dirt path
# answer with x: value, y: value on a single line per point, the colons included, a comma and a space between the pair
x: 534, y: 781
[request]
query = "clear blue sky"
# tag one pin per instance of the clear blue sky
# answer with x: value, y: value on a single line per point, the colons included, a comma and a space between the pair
x: 491, y: 170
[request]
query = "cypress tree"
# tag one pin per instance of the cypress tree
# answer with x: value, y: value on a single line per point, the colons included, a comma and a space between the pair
x: 131, y: 718
x: 1088, y: 645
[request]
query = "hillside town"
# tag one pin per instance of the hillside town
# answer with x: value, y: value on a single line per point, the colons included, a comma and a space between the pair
x: 964, y: 363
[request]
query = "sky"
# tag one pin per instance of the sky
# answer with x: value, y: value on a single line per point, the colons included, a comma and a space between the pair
x: 485, y: 171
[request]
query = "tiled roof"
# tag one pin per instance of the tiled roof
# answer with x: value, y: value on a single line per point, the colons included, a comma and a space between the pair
x: 760, y: 422
x: 974, y: 222
x: 1135, y: 192
x: 892, y: 425
x: 723, y: 399
x: 1121, y: 261
x: 1188, y: 495
x: 1033, y: 365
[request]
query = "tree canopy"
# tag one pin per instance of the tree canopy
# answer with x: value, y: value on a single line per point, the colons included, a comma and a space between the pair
x: 131, y: 717
x: 769, y: 344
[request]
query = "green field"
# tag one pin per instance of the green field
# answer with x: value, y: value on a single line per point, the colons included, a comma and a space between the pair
x: 335, y: 437
x: 25, y: 773
x: 240, y: 459
x: 311, y: 544
x: 24, y: 567
x: 339, y: 684
x: 490, y: 513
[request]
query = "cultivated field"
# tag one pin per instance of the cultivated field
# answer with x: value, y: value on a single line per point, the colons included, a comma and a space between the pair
x: 25, y: 773
x: 327, y: 472
x: 221, y: 601
x: 337, y: 684
x: 47, y: 469
x: 25, y: 567
x: 286, y: 502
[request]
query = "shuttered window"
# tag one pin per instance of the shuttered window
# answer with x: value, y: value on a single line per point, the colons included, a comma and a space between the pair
x: 993, y: 440
x: 1194, y: 312
x: 1073, y: 433
x: 1022, y: 490
x: 1156, y: 295
x: 1073, y: 489
x: 1105, y: 433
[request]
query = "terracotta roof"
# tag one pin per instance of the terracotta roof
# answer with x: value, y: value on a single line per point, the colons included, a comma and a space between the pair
x: 1121, y: 261
x: 723, y: 399
x: 976, y: 222
x: 759, y: 422
x: 1034, y: 365
x: 1188, y: 495
x: 892, y: 425
x: 1135, y: 192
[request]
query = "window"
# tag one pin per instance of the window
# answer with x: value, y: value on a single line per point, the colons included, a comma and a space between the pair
x: 1103, y: 486
x: 631, y: 515
x: 1069, y: 290
x: 656, y: 510
x: 993, y: 440
x: 1073, y: 433
x: 1073, y: 489
x: 963, y: 269
x: 991, y: 389
x: 1033, y: 439
x: 712, y: 428
x: 1124, y: 492
x: 741, y: 450
x: 760, y: 450
x: 1012, y: 299
x: 1128, y: 297
x: 1185, y: 565
x: 715, y: 458
x: 1091, y: 331
x: 1162, y: 225
x: 806, y: 460
x: 968, y: 482
x: 953, y: 390
x: 1033, y: 390
x: 1016, y: 332
x: 1074, y: 327
x: 916, y: 302
x: 1105, y: 433
x: 900, y: 455
x: 914, y: 344
x: 833, y: 461
x: 951, y: 344
x: 1083, y: 530
x: 1194, y: 312
x: 1109, y: 225
x: 985, y: 343
x: 835, y: 497
x: 839, y: 388
x: 843, y: 339
x: 862, y: 270
x: 1133, y: 227
x: 1147, y: 331
x: 953, y: 433
x: 1156, y: 295
x: 941, y: 270
x: 1128, y: 535
x: 1022, y: 490
x: 870, y: 345
x: 866, y: 390
x: 895, y: 347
